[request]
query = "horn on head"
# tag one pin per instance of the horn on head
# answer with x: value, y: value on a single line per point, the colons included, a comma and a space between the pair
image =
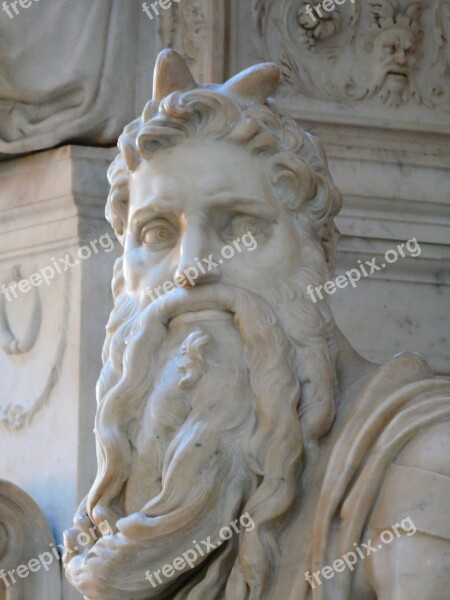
x: 171, y: 74
x: 255, y: 83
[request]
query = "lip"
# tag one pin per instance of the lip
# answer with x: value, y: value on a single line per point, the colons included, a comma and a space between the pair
x: 400, y: 73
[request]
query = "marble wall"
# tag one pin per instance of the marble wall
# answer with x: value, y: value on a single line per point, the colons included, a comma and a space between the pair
x: 51, y: 334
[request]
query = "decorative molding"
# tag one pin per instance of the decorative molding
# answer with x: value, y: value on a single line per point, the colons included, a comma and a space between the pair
x: 8, y: 341
x: 16, y: 416
x: 66, y: 187
x: 395, y: 51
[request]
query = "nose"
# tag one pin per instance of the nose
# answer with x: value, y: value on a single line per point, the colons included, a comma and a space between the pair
x: 400, y: 56
x: 196, y: 248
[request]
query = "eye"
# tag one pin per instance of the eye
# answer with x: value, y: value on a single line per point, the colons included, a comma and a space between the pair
x: 242, y: 224
x: 159, y: 234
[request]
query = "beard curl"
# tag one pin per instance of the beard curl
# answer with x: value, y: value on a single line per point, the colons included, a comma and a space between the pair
x: 249, y: 465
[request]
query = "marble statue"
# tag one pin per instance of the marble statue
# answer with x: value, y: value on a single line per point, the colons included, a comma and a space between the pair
x: 230, y: 402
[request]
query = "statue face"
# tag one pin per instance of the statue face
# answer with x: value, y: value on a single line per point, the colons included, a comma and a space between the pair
x: 393, y: 53
x: 189, y: 201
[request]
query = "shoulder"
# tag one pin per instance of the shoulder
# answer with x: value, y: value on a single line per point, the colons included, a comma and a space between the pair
x: 428, y: 450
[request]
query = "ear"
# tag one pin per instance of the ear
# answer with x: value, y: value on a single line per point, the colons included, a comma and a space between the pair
x: 171, y: 74
x: 292, y: 180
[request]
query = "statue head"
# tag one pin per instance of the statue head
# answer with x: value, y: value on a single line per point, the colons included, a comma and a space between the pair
x: 197, y: 158
x: 394, y: 45
x: 214, y: 387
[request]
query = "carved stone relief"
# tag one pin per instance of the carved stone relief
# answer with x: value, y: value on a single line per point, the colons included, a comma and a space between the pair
x: 8, y: 340
x: 396, y: 51
x: 90, y: 92
x: 26, y: 391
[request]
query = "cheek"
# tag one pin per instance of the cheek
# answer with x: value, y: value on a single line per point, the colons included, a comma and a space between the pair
x: 142, y: 270
x: 132, y: 267
x: 286, y: 251
x: 272, y: 261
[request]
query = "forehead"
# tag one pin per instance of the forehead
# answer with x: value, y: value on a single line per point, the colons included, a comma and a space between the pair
x: 198, y: 172
x: 395, y: 36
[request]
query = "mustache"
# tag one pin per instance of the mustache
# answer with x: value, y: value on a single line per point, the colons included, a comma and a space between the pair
x: 226, y: 298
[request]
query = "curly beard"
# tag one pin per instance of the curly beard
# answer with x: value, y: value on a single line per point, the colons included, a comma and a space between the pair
x: 187, y: 442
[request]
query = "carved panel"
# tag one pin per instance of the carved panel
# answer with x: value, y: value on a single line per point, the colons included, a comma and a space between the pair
x: 30, y: 372
x: 396, y: 52
x: 9, y: 342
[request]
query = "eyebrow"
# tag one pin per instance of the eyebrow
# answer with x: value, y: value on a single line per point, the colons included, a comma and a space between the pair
x: 244, y: 203
x: 144, y: 213
x: 248, y: 204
